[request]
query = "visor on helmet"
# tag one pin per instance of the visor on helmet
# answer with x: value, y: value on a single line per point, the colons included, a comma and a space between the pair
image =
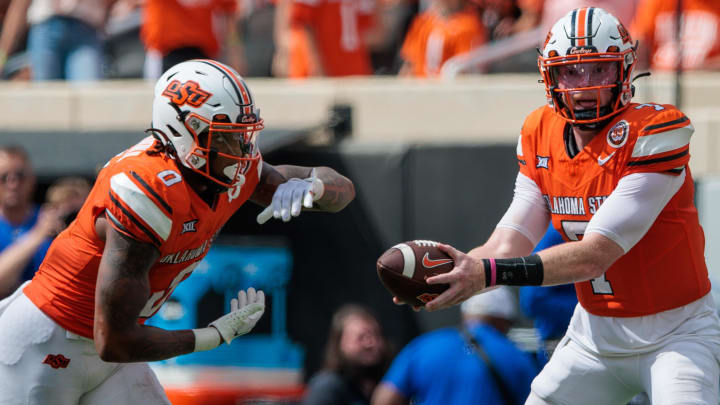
x: 586, y: 75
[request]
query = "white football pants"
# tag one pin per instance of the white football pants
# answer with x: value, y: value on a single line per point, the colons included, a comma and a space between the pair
x: 681, y: 372
x: 41, y: 363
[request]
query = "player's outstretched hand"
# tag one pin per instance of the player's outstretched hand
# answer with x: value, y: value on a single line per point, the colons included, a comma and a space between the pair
x: 245, y: 311
x: 465, y: 279
x: 291, y: 196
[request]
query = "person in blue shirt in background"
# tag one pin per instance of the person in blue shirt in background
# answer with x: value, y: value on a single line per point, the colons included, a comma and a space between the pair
x: 550, y: 308
x: 473, y: 364
x: 26, y: 230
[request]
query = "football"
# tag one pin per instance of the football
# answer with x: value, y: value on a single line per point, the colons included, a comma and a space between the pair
x: 404, y: 267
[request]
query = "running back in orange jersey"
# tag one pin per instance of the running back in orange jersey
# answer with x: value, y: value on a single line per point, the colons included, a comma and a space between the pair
x: 144, y: 197
x: 666, y: 268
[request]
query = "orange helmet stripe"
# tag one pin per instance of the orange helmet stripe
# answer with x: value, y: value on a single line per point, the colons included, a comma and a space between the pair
x: 581, y: 22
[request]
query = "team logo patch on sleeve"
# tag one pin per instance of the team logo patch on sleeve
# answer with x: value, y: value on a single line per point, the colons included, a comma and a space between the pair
x: 542, y: 162
x: 618, y: 134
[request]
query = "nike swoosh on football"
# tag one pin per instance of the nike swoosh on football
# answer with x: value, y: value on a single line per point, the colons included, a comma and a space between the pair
x: 430, y: 263
x: 602, y: 161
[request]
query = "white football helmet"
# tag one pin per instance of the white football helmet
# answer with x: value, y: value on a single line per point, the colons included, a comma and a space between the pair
x: 590, y: 49
x: 205, y: 111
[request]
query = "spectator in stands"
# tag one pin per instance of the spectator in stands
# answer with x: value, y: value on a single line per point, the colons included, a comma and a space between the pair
x: 67, y: 195
x: 325, y: 38
x: 447, y: 28
x: 499, y: 17
x: 25, y: 229
x: 530, y: 15
x: 473, y: 364
x: 549, y: 307
x: 175, y: 31
x: 396, y: 16
x: 64, y: 40
x: 356, y: 356
x: 655, y: 27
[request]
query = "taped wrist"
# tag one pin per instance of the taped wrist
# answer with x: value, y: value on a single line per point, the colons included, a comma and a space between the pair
x: 526, y: 270
x: 206, y: 339
x: 317, y: 187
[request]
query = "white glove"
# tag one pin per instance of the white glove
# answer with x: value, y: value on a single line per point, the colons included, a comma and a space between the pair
x: 287, y: 200
x: 245, y: 311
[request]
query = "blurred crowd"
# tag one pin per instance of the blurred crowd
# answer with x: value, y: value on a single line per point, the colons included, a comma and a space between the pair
x: 96, y: 39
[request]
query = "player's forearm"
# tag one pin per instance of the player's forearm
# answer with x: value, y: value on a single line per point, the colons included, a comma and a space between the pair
x: 119, y: 338
x: 503, y: 243
x: 561, y: 264
x: 339, y: 190
x: 579, y: 261
x: 147, y: 343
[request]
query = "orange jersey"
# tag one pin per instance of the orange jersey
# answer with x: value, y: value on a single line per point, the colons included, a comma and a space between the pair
x: 655, y: 23
x: 173, y: 24
x: 432, y: 39
x: 666, y: 268
x: 145, y: 198
x: 338, y: 27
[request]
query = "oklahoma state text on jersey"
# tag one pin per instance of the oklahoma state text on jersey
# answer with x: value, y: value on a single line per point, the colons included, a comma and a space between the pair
x: 146, y: 198
x: 666, y: 268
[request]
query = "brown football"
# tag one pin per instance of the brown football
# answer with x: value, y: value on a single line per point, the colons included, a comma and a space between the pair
x: 404, y: 267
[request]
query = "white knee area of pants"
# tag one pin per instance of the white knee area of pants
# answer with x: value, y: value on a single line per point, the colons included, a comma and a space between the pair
x: 685, y: 372
x: 574, y: 374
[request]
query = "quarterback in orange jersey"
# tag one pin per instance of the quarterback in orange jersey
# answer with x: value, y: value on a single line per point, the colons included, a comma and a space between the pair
x: 613, y: 177
x: 75, y: 333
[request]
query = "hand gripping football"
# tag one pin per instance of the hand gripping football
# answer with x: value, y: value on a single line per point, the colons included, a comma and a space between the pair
x: 404, y: 267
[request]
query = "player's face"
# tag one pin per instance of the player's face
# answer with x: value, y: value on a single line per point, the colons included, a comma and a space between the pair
x: 361, y: 341
x: 588, y: 78
x: 230, y: 141
x: 16, y: 181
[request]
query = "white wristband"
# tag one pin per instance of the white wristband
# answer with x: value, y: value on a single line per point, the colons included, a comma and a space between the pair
x: 206, y: 339
x: 318, y: 189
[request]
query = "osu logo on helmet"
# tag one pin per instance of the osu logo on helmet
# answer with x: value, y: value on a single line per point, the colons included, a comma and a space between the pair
x: 186, y: 93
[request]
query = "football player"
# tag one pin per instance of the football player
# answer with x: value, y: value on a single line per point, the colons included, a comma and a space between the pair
x: 613, y: 177
x: 75, y: 333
